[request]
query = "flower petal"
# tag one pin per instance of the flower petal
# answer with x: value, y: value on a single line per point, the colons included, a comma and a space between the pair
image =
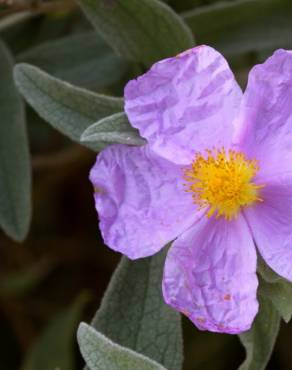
x: 185, y: 104
x: 210, y: 275
x: 271, y: 224
x: 141, y: 200
x: 265, y: 119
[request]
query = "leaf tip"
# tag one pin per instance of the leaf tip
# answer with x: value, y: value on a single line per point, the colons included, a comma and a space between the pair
x: 82, y: 328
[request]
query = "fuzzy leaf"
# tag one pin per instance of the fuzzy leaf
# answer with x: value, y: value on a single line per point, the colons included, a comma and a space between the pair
x: 115, y: 128
x: 134, y: 315
x: 100, y: 353
x: 67, y: 108
x: 244, y: 25
x: 280, y: 295
x: 259, y: 341
x: 276, y: 289
x: 266, y: 272
x: 140, y: 30
x: 15, y: 172
x: 84, y: 60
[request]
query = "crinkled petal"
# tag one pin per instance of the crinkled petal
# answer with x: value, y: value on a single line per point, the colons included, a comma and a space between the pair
x: 210, y: 275
x: 265, y: 119
x: 141, y: 200
x: 185, y: 104
x: 271, y: 224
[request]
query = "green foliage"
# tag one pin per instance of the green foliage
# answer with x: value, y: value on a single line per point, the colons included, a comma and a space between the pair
x: 101, y: 353
x: 276, y: 289
x: 67, y: 108
x: 140, y: 30
x: 82, y: 59
x: 280, y: 296
x: 259, y: 341
x: 134, y: 328
x: 55, y: 347
x: 235, y: 27
x: 23, y: 30
x: 275, y: 296
x: 266, y: 272
x: 134, y: 315
x: 15, y: 171
x: 113, y: 129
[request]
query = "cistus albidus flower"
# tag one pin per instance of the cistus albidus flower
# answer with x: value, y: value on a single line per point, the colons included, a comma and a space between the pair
x: 215, y: 177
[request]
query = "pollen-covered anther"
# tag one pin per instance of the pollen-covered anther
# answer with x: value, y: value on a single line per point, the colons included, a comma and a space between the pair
x: 222, y: 182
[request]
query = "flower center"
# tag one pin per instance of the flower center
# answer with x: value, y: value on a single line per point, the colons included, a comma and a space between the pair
x: 222, y: 181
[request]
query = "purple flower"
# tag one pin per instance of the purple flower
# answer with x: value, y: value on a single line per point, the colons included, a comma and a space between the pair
x: 214, y: 177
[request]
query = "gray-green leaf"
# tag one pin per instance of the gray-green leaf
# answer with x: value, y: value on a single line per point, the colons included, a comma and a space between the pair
x: 100, y: 353
x: 243, y: 25
x: 141, y: 30
x: 276, y: 289
x: 84, y: 60
x: 67, y: 108
x: 115, y: 129
x: 280, y: 295
x: 259, y: 341
x: 15, y: 169
x: 134, y: 315
x: 266, y: 272
x: 54, y: 349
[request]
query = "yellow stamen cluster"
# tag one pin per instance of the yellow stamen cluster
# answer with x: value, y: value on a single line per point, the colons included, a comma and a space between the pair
x: 222, y: 182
